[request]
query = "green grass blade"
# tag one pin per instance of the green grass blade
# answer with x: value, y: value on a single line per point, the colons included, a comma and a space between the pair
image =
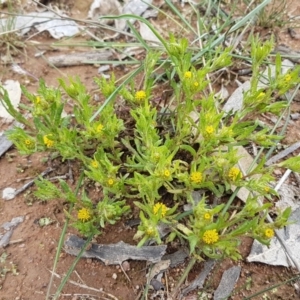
x: 95, y: 44
x: 169, y: 17
x: 138, y: 36
x: 113, y: 62
x: 71, y: 269
x: 61, y: 239
x: 249, y: 16
x: 235, y: 27
x: 177, y: 12
x: 129, y: 16
x: 127, y: 80
x: 272, y: 287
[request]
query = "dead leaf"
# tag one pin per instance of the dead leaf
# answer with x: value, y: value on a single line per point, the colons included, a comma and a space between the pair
x: 157, y: 268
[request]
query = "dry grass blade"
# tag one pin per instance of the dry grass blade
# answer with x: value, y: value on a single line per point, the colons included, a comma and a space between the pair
x: 111, y: 297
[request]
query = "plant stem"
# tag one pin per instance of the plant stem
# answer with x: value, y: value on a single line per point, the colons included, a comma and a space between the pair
x: 183, y: 277
x: 64, y: 281
x: 61, y: 239
x: 272, y: 287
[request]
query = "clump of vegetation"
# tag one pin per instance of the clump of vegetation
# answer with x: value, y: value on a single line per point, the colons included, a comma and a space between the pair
x: 156, y: 157
x: 10, y: 41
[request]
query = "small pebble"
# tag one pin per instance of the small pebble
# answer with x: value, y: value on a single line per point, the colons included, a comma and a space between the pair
x: 126, y: 266
x: 8, y: 193
x: 89, y: 260
x: 277, y: 172
x: 114, y: 276
x: 103, y: 68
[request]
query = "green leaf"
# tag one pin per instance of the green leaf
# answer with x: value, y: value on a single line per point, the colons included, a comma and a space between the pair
x: 193, y: 240
x: 6, y: 103
x: 292, y: 163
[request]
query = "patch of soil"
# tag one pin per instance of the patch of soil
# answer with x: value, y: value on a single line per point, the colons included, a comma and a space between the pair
x: 32, y: 249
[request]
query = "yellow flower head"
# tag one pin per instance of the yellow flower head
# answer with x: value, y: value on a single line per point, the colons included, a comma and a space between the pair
x: 210, y: 236
x: 207, y: 216
x: 110, y: 182
x: 160, y: 207
x: 267, y: 189
x: 261, y: 95
x: 48, y: 141
x: 196, y: 177
x: 166, y: 173
x: 209, y: 130
x: 196, y: 84
x: 156, y: 156
x: 99, y: 128
x: 140, y: 95
x: 150, y: 231
x: 84, y: 214
x: 287, y: 78
x: 29, y: 143
x: 94, y: 164
x: 269, y: 233
x: 188, y: 75
x: 37, y: 99
x: 234, y: 173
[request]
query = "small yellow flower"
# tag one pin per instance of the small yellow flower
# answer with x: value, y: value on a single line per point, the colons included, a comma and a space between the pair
x: 196, y: 177
x: 84, y: 214
x: 269, y: 233
x: 207, y: 216
x: 267, y: 189
x: 110, y: 182
x: 94, y: 164
x: 140, y: 95
x: 196, y: 84
x: 234, y: 173
x: 261, y: 95
x: 166, y: 173
x: 47, y: 140
x: 37, y: 99
x: 29, y: 143
x: 287, y: 78
x: 156, y: 156
x: 99, y: 128
x: 188, y: 75
x: 209, y: 130
x: 150, y: 231
x: 160, y: 207
x: 210, y: 236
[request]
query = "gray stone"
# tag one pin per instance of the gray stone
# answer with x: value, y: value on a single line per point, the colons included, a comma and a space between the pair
x: 228, y: 281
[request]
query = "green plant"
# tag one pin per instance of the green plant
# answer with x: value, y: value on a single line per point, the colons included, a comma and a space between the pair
x: 273, y: 15
x: 160, y: 156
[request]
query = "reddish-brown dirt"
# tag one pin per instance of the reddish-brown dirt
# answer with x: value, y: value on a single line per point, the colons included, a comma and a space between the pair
x: 32, y: 249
